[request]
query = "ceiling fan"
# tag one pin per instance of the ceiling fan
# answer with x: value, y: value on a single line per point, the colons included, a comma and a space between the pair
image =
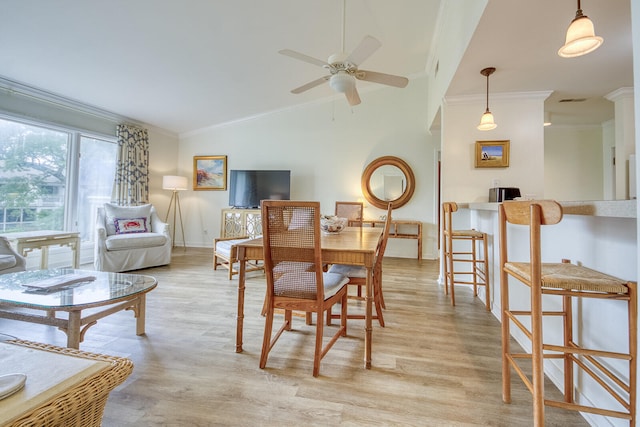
x: 343, y: 68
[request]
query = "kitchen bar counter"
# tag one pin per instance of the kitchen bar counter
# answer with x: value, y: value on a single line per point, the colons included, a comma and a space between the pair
x: 600, y: 208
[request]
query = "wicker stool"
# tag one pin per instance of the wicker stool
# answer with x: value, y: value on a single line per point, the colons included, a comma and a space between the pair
x: 477, y: 260
x: 566, y: 281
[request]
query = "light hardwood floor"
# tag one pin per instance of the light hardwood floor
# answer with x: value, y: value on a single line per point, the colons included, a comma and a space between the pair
x: 433, y: 364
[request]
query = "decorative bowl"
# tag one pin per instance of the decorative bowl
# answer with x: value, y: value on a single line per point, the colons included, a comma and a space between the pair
x: 332, y: 224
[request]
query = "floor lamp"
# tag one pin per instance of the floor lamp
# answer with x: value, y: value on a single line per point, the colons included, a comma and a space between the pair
x: 175, y: 184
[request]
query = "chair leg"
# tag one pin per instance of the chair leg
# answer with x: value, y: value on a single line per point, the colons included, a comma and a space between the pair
x: 451, y: 277
x: 633, y: 348
x: 231, y: 261
x: 474, y: 263
x: 343, y: 314
x: 567, y: 310
x: 485, y: 257
x: 288, y: 317
x: 377, y: 300
x: 382, y: 304
x: 506, y: 335
x: 318, y: 352
x: 537, y: 356
x: 266, y: 341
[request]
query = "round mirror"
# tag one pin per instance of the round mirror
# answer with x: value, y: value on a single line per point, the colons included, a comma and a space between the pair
x: 388, y: 179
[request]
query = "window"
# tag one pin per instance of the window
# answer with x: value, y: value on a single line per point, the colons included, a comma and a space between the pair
x: 52, y: 179
x: 95, y: 181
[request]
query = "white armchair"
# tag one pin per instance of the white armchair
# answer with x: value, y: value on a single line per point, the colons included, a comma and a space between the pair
x: 10, y: 260
x: 130, y: 238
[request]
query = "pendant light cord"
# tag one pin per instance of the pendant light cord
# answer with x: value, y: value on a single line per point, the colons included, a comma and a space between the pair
x: 487, y: 110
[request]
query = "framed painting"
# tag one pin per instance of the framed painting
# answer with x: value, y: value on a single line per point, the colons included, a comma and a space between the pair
x: 492, y: 154
x: 209, y: 172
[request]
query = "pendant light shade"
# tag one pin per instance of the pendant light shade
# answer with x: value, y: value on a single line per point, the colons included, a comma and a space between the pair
x: 581, y: 38
x: 486, y: 121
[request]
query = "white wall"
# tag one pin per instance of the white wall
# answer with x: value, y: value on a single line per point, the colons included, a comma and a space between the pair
x: 573, y: 163
x: 326, y: 146
x: 456, y: 24
x: 163, y: 152
x: 520, y: 120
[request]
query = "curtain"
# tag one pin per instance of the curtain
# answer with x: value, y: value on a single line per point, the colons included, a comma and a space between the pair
x: 131, y: 185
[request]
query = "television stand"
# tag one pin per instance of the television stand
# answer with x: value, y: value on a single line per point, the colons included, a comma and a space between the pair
x: 239, y: 222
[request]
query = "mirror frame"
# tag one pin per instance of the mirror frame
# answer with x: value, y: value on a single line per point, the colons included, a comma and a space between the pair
x: 387, y: 161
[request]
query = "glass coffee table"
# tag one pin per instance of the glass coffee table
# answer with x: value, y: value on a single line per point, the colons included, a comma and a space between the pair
x: 100, y: 295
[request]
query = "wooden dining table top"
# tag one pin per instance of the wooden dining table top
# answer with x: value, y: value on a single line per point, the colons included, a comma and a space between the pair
x: 351, y: 239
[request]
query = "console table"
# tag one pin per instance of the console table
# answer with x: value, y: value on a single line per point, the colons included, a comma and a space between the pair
x: 28, y: 241
x: 399, y: 230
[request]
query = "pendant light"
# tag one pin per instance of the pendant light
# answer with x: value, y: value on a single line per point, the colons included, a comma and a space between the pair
x: 581, y: 38
x: 486, y: 122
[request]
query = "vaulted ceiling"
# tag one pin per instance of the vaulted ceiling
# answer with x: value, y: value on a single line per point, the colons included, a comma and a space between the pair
x: 184, y: 66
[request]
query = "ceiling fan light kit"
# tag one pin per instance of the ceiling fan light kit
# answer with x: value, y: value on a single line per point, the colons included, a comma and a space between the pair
x: 342, y: 82
x: 343, y: 68
x: 581, y: 38
x: 486, y: 121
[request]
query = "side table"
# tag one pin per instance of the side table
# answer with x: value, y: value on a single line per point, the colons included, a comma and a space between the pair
x: 28, y: 241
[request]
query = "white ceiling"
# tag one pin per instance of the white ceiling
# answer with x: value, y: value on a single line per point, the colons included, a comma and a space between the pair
x: 184, y: 66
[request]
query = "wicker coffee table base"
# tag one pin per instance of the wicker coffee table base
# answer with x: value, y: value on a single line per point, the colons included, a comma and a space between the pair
x: 83, y: 404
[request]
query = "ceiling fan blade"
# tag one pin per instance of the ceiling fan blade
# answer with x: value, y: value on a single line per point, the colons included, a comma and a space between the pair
x: 302, y: 57
x: 310, y: 85
x: 352, y: 96
x: 365, y: 49
x: 385, y: 79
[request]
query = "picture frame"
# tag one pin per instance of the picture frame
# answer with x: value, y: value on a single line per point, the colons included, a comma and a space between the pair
x: 492, y: 154
x: 209, y: 173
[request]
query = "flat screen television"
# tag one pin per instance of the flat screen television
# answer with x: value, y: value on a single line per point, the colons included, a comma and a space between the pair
x: 248, y: 187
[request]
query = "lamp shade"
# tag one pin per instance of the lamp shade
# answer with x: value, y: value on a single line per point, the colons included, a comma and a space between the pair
x: 486, y: 121
x: 172, y: 182
x: 581, y: 38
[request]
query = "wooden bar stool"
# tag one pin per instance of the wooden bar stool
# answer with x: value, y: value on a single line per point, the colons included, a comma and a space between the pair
x: 566, y: 281
x: 476, y: 260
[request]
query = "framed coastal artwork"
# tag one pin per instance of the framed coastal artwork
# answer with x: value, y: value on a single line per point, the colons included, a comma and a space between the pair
x: 492, y: 154
x: 209, y: 172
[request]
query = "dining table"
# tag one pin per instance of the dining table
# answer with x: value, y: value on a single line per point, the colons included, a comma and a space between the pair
x: 352, y: 246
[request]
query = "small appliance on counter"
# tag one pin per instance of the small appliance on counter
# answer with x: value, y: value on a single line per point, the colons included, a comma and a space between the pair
x: 500, y: 194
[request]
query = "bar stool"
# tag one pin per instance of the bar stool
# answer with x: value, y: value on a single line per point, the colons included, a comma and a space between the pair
x: 566, y: 281
x: 477, y: 270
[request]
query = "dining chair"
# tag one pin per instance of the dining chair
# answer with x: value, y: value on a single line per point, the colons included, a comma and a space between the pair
x: 353, y: 211
x: 295, y: 276
x: 358, y: 276
x: 575, y: 288
x: 470, y: 262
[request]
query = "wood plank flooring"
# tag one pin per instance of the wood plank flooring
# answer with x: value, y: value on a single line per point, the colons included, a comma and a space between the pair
x: 433, y: 364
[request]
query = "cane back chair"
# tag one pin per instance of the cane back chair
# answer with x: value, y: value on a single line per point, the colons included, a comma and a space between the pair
x: 353, y: 211
x: 295, y: 277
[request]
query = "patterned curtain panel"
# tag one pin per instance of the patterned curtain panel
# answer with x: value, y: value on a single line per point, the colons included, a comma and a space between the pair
x: 131, y: 185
